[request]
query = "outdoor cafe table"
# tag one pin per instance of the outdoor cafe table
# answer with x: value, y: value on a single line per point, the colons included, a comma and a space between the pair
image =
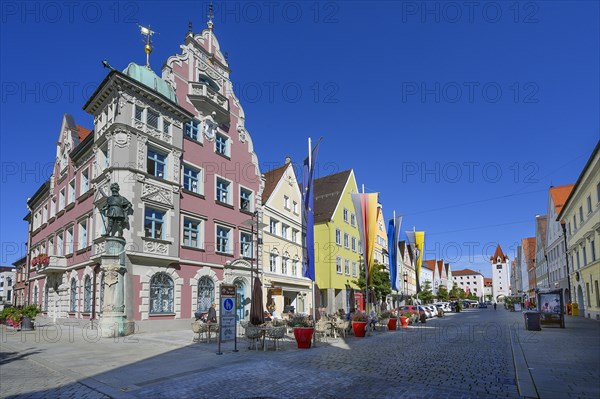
x: 264, y: 331
x: 211, y: 327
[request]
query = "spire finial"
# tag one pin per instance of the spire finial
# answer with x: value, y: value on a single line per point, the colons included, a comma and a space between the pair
x: 190, y: 30
x: 210, y: 16
x: 148, y: 46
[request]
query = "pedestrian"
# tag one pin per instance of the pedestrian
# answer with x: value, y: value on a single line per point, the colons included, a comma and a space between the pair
x: 212, y: 314
x: 495, y: 305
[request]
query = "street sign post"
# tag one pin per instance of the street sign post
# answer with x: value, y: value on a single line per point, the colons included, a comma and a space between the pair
x: 227, y: 324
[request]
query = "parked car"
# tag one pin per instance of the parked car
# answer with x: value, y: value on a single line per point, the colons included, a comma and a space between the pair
x: 405, y: 309
x: 444, y: 305
x: 424, y: 310
x: 432, y: 309
x: 482, y: 305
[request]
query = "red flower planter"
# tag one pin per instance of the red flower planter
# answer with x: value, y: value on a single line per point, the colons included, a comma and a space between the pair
x: 392, y: 323
x: 303, y: 337
x: 404, y: 321
x: 359, y: 328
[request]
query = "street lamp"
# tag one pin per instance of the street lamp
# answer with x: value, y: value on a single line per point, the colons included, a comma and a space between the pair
x: 255, y: 226
x: 405, y: 275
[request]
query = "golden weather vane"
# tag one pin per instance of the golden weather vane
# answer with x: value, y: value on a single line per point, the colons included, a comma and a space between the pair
x: 145, y: 31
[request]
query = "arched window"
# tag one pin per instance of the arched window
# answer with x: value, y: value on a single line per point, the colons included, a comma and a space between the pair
x: 161, y: 293
x: 73, y: 298
x: 87, y: 294
x: 101, y: 293
x: 46, y: 295
x: 206, y: 293
x: 35, y: 295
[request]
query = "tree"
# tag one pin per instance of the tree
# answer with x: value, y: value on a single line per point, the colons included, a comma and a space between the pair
x: 442, y: 293
x: 380, y: 281
x: 472, y: 296
x: 488, y: 297
x: 425, y: 295
x: 455, y: 292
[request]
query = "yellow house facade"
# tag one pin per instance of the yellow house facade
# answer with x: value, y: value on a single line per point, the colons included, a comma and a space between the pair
x: 337, y: 242
x: 581, y: 213
x: 283, y: 284
x: 381, y: 242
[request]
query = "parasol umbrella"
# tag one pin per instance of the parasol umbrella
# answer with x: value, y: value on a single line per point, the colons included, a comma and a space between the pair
x: 257, y: 315
x: 317, y: 303
x: 352, y: 300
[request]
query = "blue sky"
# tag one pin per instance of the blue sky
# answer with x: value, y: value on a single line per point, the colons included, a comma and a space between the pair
x: 461, y: 117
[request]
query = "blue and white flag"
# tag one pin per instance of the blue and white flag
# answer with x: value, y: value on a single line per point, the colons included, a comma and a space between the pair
x: 393, y: 231
x: 308, y: 212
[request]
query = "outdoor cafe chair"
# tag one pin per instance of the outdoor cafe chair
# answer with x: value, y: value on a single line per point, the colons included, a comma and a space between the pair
x: 277, y: 334
x: 253, y: 335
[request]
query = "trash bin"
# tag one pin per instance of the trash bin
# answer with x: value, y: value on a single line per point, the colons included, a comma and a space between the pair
x: 532, y: 321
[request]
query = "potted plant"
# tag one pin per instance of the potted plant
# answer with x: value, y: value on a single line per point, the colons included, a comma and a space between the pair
x: 13, y: 317
x: 405, y: 318
x: 387, y: 317
x: 359, y: 323
x: 29, y: 313
x: 303, y: 330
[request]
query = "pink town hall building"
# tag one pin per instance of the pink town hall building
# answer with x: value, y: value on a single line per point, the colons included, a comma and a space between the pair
x: 178, y: 148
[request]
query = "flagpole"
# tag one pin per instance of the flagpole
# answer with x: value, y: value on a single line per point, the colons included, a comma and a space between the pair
x: 314, y: 302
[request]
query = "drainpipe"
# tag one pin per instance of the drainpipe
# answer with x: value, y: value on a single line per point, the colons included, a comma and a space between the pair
x: 28, y: 258
x: 94, y: 293
x: 563, y: 224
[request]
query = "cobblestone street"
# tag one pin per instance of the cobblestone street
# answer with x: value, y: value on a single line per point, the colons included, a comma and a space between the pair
x: 468, y: 355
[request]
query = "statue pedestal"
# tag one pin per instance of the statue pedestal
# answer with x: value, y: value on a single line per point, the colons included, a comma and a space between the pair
x: 113, y: 320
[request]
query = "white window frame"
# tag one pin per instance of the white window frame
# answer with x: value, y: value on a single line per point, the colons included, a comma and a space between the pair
x: 286, y: 202
x: 83, y: 231
x: 62, y: 198
x: 69, y: 245
x: 295, y: 207
x: 345, y: 213
x: 338, y: 236
x: 273, y: 262
x: 158, y: 150
x: 200, y: 179
x: 273, y: 226
x: 346, y: 240
x: 229, y: 190
x: 229, y: 246
x: 72, y: 194
x: 251, y: 208
x: 338, y: 265
x: 227, y: 151
x: 201, y: 223
x: 53, y: 205
x: 199, y: 134
x: 84, y: 181
x: 163, y: 226
x: 347, y: 267
x: 50, y: 245
x: 284, y: 230
x: 353, y: 244
x: 243, y: 254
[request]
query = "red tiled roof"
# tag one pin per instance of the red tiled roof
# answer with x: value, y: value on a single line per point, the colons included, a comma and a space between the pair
x: 272, y: 177
x: 429, y: 264
x: 440, y: 265
x: 498, y: 254
x: 528, y: 245
x: 559, y: 195
x: 487, y: 282
x: 464, y: 272
x: 82, y: 132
